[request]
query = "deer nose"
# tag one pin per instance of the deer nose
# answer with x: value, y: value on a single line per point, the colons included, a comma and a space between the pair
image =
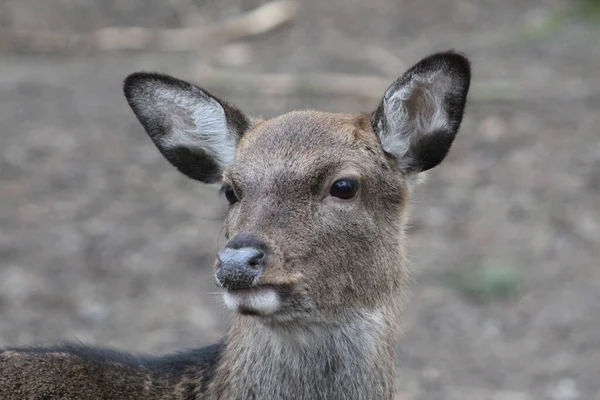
x: 237, y: 269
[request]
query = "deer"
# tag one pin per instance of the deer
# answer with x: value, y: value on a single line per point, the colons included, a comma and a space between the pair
x: 314, y: 266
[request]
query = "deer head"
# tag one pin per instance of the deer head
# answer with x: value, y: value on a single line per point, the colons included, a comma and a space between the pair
x: 317, y: 200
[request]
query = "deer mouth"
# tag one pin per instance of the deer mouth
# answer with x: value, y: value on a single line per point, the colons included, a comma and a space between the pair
x: 260, y: 300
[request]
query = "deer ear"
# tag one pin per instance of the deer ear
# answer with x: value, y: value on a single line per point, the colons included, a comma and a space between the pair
x: 197, y: 132
x: 421, y: 112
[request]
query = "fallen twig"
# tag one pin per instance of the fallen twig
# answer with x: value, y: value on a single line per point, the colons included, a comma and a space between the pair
x: 258, y: 21
x: 325, y: 84
x: 378, y: 57
x: 187, y: 12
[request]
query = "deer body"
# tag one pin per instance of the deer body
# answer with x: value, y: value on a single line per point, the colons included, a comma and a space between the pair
x: 314, y: 266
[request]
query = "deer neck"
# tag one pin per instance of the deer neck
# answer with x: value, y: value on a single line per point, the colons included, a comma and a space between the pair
x: 350, y: 359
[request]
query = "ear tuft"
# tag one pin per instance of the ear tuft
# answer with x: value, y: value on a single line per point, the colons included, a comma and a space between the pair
x: 197, y: 132
x: 421, y: 112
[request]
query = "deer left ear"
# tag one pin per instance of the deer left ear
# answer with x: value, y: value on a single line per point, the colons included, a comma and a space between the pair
x: 421, y: 112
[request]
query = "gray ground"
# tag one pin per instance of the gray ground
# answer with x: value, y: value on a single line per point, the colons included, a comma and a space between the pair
x: 103, y: 241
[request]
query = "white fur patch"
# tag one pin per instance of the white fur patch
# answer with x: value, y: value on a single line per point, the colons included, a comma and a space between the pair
x: 197, y: 123
x: 263, y: 301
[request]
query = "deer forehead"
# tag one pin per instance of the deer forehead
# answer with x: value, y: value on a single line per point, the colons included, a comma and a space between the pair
x: 307, y: 142
x: 308, y: 130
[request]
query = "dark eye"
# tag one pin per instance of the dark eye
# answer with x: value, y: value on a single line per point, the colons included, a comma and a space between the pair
x: 345, y: 188
x: 230, y: 194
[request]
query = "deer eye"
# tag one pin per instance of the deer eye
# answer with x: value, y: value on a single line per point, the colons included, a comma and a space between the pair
x: 229, y: 194
x: 345, y: 188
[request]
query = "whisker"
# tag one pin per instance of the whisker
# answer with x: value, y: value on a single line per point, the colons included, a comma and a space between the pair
x: 219, y: 237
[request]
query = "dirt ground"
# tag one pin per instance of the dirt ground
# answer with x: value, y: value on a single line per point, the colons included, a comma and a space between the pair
x: 101, y: 240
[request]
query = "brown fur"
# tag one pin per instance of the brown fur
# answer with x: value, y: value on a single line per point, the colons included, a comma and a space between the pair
x: 337, y: 266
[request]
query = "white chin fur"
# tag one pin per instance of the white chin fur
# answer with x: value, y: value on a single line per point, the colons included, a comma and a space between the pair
x: 262, y: 301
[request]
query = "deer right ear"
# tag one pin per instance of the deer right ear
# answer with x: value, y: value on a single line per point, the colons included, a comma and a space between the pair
x: 197, y: 132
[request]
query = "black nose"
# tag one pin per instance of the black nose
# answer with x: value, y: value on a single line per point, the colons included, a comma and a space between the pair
x: 238, y: 267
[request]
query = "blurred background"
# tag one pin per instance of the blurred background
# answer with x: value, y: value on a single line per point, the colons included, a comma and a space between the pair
x: 102, y: 241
